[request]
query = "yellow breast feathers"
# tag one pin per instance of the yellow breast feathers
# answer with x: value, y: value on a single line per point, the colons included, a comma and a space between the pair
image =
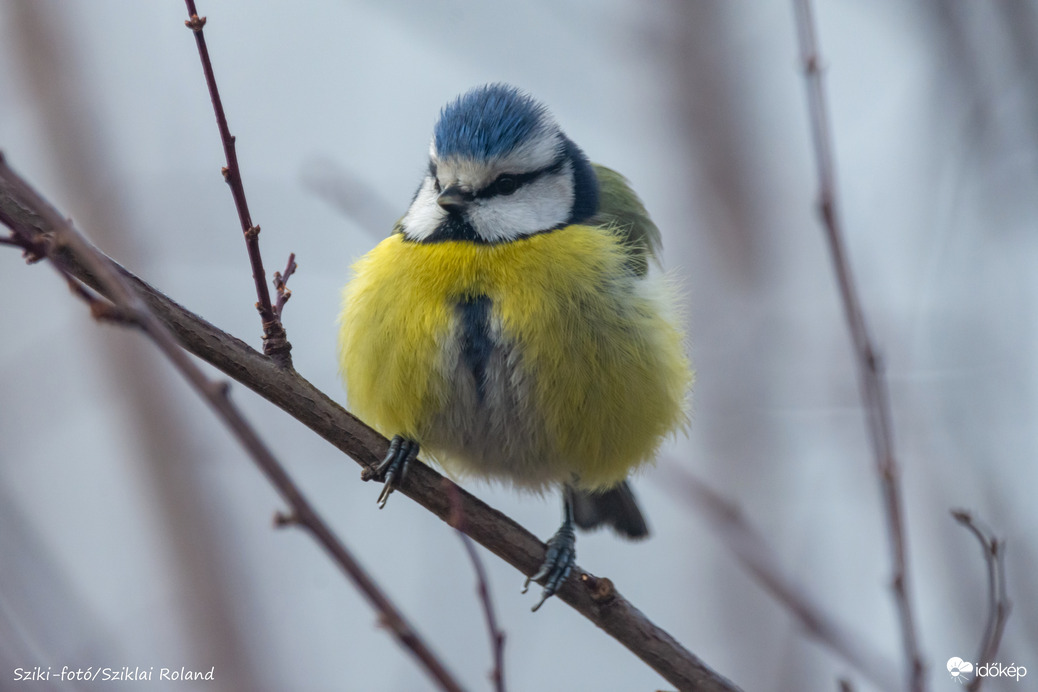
x: 590, y: 369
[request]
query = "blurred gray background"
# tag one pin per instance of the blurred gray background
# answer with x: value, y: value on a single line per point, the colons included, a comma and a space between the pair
x: 134, y: 532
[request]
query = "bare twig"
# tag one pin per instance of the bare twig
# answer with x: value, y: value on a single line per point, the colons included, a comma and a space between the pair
x: 281, y: 285
x: 497, y: 637
x: 127, y: 299
x: 100, y: 309
x: 873, y: 382
x: 757, y: 558
x: 999, y: 605
x: 285, y: 388
x: 32, y: 251
x: 275, y: 341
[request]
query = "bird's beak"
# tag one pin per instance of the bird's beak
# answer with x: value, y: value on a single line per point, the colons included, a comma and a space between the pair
x: 453, y: 197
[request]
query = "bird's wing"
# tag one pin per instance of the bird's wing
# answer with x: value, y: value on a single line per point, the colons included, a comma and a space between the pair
x: 621, y: 209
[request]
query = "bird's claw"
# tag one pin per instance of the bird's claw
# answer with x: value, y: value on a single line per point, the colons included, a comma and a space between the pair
x: 558, y: 563
x: 393, y: 468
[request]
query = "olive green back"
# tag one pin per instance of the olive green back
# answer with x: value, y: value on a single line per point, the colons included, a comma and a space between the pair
x: 621, y: 208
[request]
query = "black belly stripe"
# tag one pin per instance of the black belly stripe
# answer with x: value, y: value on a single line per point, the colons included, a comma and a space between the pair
x: 476, y: 344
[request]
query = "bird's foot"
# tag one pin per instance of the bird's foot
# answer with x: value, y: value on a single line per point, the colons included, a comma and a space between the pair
x: 558, y: 562
x: 393, y: 468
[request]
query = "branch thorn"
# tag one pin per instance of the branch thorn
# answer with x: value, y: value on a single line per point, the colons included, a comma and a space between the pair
x: 283, y: 519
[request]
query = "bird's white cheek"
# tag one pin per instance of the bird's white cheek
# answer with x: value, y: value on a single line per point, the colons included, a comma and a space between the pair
x: 536, y: 207
x: 425, y: 215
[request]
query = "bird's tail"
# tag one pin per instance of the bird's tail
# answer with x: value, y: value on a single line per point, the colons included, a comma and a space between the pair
x: 615, y: 507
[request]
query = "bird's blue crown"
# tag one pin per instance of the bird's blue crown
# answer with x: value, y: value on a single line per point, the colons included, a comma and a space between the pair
x: 488, y: 122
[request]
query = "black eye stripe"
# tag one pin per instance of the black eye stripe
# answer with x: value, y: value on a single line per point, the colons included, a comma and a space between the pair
x: 520, y: 179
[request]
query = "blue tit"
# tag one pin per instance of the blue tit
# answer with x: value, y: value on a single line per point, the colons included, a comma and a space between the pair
x: 509, y: 326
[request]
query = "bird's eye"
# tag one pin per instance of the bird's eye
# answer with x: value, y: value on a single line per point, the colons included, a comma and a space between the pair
x: 505, y: 184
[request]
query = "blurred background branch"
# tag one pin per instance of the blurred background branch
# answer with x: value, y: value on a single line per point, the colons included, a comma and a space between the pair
x: 874, y: 392
x: 752, y: 552
x: 999, y: 606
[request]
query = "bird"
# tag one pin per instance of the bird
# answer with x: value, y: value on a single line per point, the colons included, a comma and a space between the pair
x: 509, y: 328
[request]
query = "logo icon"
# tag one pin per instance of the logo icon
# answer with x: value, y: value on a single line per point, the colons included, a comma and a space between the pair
x: 959, y: 669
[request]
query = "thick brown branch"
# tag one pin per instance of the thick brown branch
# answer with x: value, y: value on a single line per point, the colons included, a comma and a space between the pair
x: 275, y: 341
x: 870, y: 369
x: 286, y: 389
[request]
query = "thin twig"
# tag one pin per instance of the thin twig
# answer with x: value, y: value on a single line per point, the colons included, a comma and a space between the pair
x: 497, y: 636
x: 873, y: 381
x: 285, y: 388
x: 760, y: 561
x: 275, y: 341
x: 999, y: 605
x: 100, y: 309
x: 128, y: 300
x: 281, y: 284
x: 32, y: 251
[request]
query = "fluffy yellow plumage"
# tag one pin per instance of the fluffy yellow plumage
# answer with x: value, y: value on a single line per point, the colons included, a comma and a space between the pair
x: 596, y: 362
